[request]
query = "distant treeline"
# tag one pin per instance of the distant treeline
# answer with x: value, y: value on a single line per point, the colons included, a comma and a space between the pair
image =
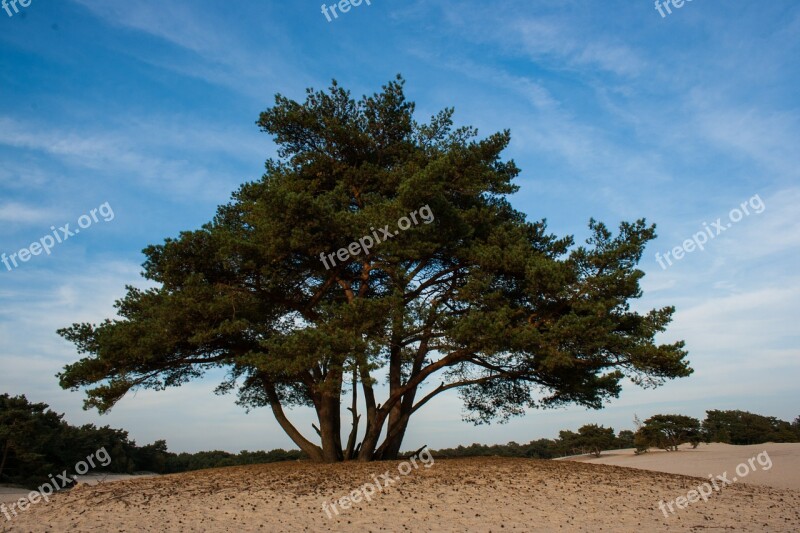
x: 588, y: 439
x: 659, y: 431
x: 36, y: 442
x: 184, y: 462
x: 741, y: 427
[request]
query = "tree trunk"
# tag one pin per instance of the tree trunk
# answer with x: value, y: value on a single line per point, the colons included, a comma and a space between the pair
x: 390, y: 448
x: 396, y: 432
x: 330, y: 429
x: 395, y: 372
x: 372, y: 409
x: 401, y: 411
x: 371, y: 437
x: 351, y: 441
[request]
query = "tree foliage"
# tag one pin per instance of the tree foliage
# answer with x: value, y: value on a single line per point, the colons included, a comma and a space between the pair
x: 35, y: 442
x: 30, y: 443
x: 588, y: 439
x: 625, y: 439
x: 742, y: 427
x: 668, y: 432
x: 481, y: 300
x: 596, y: 438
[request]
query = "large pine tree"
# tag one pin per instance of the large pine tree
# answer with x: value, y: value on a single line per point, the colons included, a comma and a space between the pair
x: 479, y: 299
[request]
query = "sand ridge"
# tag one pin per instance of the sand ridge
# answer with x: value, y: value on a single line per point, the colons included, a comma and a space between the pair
x: 474, y: 494
x: 714, y: 459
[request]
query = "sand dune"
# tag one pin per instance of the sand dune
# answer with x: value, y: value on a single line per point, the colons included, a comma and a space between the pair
x: 481, y: 494
x: 715, y: 459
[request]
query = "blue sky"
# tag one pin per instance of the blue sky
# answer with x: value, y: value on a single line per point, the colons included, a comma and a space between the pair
x: 615, y: 111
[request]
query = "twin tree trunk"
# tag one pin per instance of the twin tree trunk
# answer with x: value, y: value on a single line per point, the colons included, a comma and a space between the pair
x: 328, y: 409
x: 330, y: 428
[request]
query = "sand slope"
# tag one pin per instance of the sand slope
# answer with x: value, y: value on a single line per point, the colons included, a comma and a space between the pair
x: 482, y: 494
x: 715, y: 459
x: 10, y: 494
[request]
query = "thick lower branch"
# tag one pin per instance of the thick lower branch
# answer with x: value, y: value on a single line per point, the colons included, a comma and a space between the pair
x: 415, y: 381
x: 313, y: 451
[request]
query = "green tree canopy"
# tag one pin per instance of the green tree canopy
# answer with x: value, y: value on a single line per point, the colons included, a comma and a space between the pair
x: 742, y: 427
x: 625, y: 439
x: 479, y: 300
x: 668, y: 432
x: 30, y: 435
x: 36, y: 442
x: 594, y: 439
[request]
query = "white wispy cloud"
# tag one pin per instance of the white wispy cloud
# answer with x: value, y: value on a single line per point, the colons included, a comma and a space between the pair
x: 770, y: 138
x: 224, y: 58
x: 132, y: 152
x: 552, y: 40
x: 19, y: 213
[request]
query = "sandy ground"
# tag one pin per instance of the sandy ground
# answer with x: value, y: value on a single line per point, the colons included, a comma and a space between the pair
x: 94, y: 479
x: 716, y: 459
x: 478, y: 494
x: 9, y: 494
